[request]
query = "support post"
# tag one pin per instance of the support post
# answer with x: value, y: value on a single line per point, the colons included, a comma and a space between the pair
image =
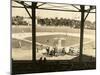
x: 33, y: 31
x: 27, y: 11
x: 81, y: 32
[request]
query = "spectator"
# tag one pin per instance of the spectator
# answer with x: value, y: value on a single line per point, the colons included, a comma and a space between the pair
x: 44, y: 60
x: 48, y: 49
x: 40, y: 60
x: 63, y: 51
x: 52, y: 52
x: 55, y: 51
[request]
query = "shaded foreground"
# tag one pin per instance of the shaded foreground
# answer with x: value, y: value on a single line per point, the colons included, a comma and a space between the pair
x: 24, y: 67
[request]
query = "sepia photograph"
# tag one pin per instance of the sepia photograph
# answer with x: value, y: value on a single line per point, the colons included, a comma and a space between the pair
x: 52, y: 37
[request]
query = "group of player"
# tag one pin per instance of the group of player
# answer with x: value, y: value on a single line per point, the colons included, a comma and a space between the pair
x: 55, y: 51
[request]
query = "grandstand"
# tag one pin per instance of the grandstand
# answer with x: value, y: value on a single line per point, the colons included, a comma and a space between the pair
x: 29, y: 43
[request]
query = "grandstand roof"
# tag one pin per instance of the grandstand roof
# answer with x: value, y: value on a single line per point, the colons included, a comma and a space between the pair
x: 54, y: 6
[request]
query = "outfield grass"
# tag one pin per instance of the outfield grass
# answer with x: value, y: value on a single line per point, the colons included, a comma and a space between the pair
x: 21, y: 29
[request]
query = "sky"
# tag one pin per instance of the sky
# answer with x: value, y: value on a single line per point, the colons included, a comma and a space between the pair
x: 50, y: 13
